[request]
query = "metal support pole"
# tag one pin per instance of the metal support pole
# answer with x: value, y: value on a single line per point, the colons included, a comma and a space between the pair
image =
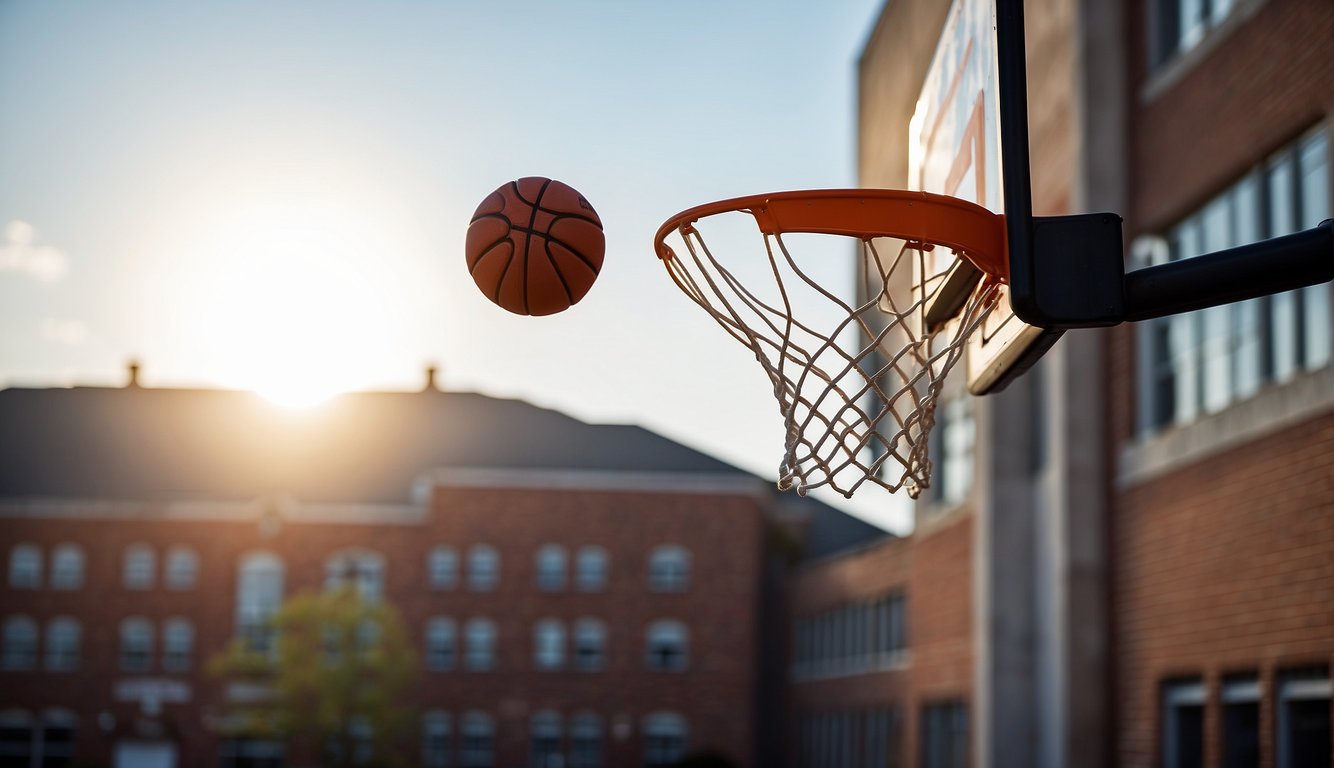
x: 1236, y: 274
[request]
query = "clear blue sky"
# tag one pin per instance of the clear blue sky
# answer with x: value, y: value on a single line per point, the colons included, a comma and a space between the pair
x: 274, y: 195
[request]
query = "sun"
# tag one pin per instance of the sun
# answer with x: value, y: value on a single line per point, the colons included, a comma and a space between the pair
x: 294, y: 296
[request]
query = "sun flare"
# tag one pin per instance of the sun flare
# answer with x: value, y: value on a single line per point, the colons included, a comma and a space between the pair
x: 297, y: 296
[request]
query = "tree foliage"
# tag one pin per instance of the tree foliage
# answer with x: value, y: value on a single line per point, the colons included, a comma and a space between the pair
x: 330, y: 684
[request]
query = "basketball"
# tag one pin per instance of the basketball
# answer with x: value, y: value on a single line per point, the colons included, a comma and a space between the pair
x: 535, y: 246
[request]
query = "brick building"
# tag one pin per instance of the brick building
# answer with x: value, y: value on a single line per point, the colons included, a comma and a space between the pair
x: 580, y: 595
x: 1138, y: 567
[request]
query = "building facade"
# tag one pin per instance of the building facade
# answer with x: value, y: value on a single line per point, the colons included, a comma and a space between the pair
x: 1144, y: 518
x: 576, y: 597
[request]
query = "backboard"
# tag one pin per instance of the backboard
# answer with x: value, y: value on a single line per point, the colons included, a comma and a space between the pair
x: 954, y: 148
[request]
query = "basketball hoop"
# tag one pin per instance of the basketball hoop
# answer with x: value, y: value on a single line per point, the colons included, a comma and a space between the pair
x: 857, y: 384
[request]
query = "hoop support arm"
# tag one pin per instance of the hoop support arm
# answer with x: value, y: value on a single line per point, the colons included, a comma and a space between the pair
x: 1236, y: 274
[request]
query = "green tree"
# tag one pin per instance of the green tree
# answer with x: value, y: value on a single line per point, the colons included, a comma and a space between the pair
x: 330, y: 684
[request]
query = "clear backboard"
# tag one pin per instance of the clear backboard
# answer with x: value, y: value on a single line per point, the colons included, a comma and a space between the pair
x: 955, y: 149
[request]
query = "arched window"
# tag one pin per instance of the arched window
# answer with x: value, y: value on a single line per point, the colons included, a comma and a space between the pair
x: 178, y: 644
x: 483, y: 568
x: 16, y: 736
x: 20, y: 649
x: 182, y: 568
x: 664, y: 739
x: 480, y: 635
x: 590, y: 571
x: 549, y: 644
x: 136, y: 644
x: 669, y: 569
x: 67, y: 567
x: 436, y: 744
x: 360, y: 568
x: 259, y: 594
x: 551, y: 567
x: 442, y: 568
x: 545, y: 732
x: 137, y: 571
x: 590, y: 645
x: 62, y: 644
x: 57, y: 743
x: 667, y: 646
x: 25, y: 567
x: 585, y: 741
x: 477, y: 747
x: 441, y: 644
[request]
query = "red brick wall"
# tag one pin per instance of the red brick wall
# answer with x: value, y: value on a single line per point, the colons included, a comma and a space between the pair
x: 1263, y: 84
x: 935, y: 568
x: 716, y: 694
x: 1224, y: 567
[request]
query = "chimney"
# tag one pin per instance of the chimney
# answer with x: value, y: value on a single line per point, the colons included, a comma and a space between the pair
x: 430, y: 379
x: 133, y: 368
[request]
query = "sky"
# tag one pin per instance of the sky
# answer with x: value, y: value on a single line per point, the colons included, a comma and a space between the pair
x: 274, y: 196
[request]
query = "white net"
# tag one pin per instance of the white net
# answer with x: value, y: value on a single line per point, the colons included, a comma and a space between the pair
x: 857, y: 384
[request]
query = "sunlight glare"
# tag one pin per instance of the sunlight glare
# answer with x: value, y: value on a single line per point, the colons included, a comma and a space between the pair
x: 296, y: 296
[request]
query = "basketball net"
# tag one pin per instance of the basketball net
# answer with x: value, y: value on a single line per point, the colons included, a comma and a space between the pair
x: 854, y: 410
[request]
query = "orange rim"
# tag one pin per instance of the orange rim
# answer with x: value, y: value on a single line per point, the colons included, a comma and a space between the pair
x: 920, y: 217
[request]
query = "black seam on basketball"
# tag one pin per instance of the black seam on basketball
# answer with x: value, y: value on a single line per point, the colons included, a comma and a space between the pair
x: 555, y: 266
x: 497, y: 215
x: 473, y: 266
x: 574, y: 250
x: 539, y: 233
x: 564, y: 214
x: 515, y: 186
x: 532, y: 229
x: 537, y: 205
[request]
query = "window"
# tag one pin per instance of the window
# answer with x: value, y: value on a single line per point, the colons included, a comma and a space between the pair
x: 669, y: 569
x: 585, y: 741
x: 178, y: 643
x: 442, y: 568
x: 590, y: 573
x: 362, y: 570
x: 891, y: 625
x: 16, y: 739
x: 951, y: 450
x: 182, y: 568
x: 259, y: 594
x: 62, y: 644
x: 441, y: 644
x: 1183, y: 724
x: 477, y: 747
x: 1241, y: 722
x: 1303, y: 737
x: 549, y: 644
x: 664, y: 739
x: 250, y: 753
x: 667, y: 646
x: 1201, y: 362
x: 362, y: 736
x: 945, y: 735
x: 23, y: 743
x: 436, y: 746
x: 138, y: 567
x: 481, y: 650
x: 483, y: 568
x: 136, y: 644
x: 1177, y: 26
x: 25, y: 567
x: 551, y: 568
x: 545, y: 736
x: 67, y: 567
x: 20, y: 649
x: 590, y: 645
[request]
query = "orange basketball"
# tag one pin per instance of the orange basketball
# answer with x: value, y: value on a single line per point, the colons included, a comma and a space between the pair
x: 535, y: 246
